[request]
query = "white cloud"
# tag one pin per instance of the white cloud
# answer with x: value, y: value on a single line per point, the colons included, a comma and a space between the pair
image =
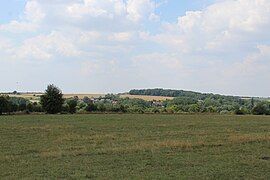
x: 247, y: 77
x: 33, y: 12
x: 5, y: 49
x: 121, y: 36
x: 133, y: 10
x: 187, y: 22
x: 88, y: 7
x: 138, y: 9
x: 29, y: 22
x: 88, y: 68
x: 202, y: 50
x: 226, y: 26
x: 46, y: 47
x: 5, y: 43
x: 154, y: 17
x: 17, y: 27
x: 254, y: 64
x: 241, y: 15
x: 171, y: 61
x: 89, y: 36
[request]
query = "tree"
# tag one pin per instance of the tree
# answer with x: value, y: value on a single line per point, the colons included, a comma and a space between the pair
x: 52, y: 100
x: 22, y: 107
x: 91, y: 107
x: 72, y: 106
x: 101, y: 107
x: 4, y: 103
x: 259, y: 109
x: 252, y: 103
x: 87, y: 100
x: 29, y: 107
x: 13, y: 107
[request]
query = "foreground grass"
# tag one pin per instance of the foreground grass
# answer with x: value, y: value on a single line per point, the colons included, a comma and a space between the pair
x: 134, y: 147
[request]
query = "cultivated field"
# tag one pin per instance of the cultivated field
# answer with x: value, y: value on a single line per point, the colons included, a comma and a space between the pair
x: 83, y: 95
x: 134, y: 147
x: 29, y: 96
x: 147, y: 98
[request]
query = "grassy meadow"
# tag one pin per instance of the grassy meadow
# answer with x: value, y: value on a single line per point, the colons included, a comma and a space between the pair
x: 132, y: 146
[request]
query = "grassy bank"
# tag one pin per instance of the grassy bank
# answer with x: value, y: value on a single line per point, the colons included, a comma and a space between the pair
x: 135, y: 146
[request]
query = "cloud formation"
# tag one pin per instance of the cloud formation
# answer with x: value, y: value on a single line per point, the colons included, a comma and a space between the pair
x: 222, y: 48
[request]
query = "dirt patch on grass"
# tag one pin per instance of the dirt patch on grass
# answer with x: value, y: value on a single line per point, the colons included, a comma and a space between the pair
x: 52, y: 154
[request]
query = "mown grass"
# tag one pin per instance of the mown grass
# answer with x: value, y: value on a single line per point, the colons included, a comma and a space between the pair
x: 134, y: 147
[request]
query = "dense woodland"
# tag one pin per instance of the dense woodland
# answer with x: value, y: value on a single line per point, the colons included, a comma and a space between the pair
x: 181, y: 93
x: 52, y: 102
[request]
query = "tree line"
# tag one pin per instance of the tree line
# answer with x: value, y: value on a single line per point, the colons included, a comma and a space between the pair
x: 181, y: 93
x: 52, y: 102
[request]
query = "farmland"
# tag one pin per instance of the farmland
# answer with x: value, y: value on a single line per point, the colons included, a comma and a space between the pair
x: 147, y: 98
x: 133, y: 146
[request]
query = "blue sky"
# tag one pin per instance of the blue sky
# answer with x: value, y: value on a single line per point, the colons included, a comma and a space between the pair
x: 11, y: 9
x: 172, y: 9
x: 169, y: 10
x: 101, y: 46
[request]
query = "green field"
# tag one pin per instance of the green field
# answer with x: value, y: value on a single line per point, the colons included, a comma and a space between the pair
x: 134, y: 147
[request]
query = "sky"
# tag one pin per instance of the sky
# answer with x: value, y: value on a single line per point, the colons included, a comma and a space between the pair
x: 112, y: 46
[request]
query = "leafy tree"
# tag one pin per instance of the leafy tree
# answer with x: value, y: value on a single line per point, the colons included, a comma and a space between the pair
x: 72, y: 106
x: 18, y: 100
x: 22, y: 107
x: 101, y: 107
x: 91, y: 107
x: 13, y: 107
x: 87, y: 100
x: 194, y: 108
x: 4, y: 103
x: 81, y: 104
x: 52, y: 100
x: 122, y: 108
x: 260, y: 109
x: 65, y: 108
x: 37, y: 107
x: 29, y: 107
x: 183, y: 101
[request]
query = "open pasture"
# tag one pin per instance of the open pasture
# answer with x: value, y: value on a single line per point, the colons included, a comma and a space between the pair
x: 132, y: 146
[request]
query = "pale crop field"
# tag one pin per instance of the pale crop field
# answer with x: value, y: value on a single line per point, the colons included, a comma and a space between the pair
x: 147, y: 98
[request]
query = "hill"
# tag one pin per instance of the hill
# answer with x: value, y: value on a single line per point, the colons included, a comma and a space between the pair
x: 178, y: 93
